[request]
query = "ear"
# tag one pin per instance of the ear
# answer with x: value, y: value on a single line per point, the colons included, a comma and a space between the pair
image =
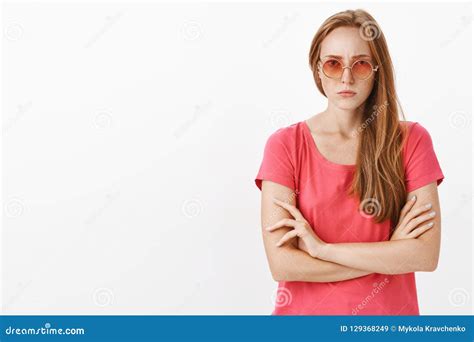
x: 318, y: 67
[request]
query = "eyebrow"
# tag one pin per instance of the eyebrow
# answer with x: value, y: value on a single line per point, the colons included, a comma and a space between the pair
x: 353, y: 57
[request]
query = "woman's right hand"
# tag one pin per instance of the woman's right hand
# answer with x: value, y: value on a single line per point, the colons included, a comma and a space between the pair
x: 412, y: 222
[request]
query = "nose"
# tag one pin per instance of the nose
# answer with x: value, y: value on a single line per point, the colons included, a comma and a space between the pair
x: 347, y: 76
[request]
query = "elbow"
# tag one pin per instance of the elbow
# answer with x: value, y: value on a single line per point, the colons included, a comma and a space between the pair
x: 281, y: 265
x: 282, y: 273
x: 275, y: 273
x: 276, y: 277
x: 279, y: 275
x: 429, y: 257
x: 430, y: 265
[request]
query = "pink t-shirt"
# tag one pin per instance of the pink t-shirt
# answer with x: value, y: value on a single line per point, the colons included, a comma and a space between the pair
x: 291, y: 158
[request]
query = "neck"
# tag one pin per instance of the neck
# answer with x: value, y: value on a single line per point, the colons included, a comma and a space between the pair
x: 341, y: 121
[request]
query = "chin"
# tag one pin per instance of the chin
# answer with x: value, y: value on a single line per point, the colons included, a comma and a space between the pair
x: 348, y: 104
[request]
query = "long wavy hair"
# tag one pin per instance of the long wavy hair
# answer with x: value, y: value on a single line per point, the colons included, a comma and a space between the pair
x: 379, y: 178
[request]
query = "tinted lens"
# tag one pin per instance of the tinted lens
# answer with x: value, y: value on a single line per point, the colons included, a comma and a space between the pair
x: 361, y: 70
x: 332, y: 68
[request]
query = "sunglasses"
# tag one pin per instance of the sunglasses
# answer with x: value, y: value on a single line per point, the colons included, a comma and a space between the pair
x: 360, y: 69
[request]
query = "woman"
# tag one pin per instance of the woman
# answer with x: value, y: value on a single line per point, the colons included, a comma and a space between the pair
x: 350, y: 206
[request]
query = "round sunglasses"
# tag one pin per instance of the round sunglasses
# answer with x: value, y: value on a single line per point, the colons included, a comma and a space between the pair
x: 360, y: 69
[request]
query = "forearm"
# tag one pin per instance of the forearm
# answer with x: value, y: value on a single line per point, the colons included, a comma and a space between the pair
x: 293, y: 264
x: 385, y: 257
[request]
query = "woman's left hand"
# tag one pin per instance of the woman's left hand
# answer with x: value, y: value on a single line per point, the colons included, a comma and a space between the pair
x: 307, y: 238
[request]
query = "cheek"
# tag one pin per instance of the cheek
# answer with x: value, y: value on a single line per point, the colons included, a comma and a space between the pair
x: 363, y: 88
x: 330, y: 86
x: 366, y: 88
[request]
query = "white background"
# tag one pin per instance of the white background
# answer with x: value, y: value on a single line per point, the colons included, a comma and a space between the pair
x: 132, y: 134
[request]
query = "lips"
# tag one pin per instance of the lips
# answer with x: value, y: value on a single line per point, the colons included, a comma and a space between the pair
x: 346, y: 92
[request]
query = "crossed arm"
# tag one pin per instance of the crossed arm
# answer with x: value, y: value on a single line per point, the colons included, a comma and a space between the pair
x: 342, y: 261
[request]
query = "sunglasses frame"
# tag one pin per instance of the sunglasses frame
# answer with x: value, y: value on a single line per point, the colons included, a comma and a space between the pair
x: 373, y: 69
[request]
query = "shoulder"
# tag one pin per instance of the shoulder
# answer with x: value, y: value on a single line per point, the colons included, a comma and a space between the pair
x: 415, y: 132
x: 285, y: 136
x: 414, y: 127
x: 418, y: 141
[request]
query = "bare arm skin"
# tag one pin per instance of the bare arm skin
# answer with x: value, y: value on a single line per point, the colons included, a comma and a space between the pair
x: 288, y: 263
x: 394, y: 257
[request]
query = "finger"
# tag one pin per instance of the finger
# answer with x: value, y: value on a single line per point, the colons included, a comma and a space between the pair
x: 408, y: 205
x: 419, y: 220
x: 288, y: 236
x: 291, y: 209
x: 420, y: 230
x: 406, y: 208
x: 416, y: 212
x: 286, y: 222
x: 402, y: 221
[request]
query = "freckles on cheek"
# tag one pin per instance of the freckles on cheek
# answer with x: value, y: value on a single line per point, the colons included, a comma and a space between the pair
x: 367, y: 89
x: 329, y: 87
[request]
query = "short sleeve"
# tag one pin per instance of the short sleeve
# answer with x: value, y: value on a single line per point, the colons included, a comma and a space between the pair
x: 277, y: 165
x: 421, y: 164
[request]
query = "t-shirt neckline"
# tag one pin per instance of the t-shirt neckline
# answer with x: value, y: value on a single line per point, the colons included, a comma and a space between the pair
x: 318, y: 154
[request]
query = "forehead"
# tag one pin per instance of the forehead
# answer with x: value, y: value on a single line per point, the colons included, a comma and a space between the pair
x: 345, y: 42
